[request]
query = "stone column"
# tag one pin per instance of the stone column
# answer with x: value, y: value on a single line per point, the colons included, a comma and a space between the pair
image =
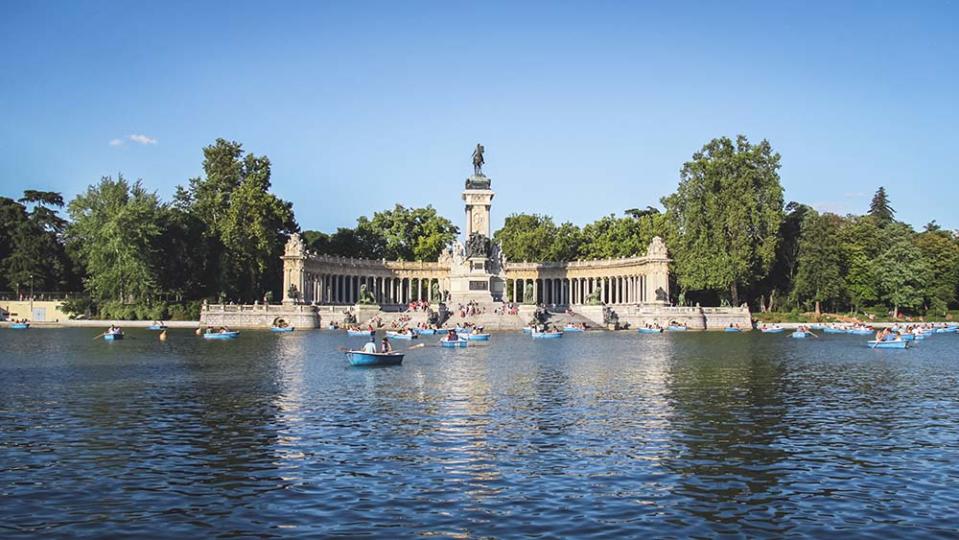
x: 535, y: 291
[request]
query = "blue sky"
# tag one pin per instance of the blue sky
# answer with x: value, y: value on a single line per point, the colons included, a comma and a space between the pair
x: 585, y: 108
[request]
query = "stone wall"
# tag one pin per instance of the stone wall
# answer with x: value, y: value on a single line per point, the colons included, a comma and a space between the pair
x: 258, y: 316
x: 697, y: 318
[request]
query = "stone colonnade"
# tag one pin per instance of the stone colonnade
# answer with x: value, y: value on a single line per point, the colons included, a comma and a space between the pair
x: 624, y: 289
x: 339, y: 280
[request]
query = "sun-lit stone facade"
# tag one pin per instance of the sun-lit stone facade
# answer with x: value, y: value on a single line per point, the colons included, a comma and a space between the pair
x: 476, y: 269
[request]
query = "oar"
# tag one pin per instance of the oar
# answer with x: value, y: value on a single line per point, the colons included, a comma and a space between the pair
x: 100, y: 335
x: 417, y: 346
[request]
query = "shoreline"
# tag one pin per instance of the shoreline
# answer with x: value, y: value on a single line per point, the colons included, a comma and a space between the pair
x: 192, y: 325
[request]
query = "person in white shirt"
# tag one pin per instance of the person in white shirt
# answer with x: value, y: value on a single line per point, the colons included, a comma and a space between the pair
x: 370, y: 346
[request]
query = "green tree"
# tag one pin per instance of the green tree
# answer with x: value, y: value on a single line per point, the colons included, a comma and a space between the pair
x: 610, y: 237
x: 862, y: 241
x: 245, y: 226
x: 725, y: 216
x: 941, y: 251
x: 115, y: 228
x: 879, y: 208
x: 406, y: 234
x: 819, y: 277
x: 535, y: 237
x: 902, y: 275
x: 36, y: 255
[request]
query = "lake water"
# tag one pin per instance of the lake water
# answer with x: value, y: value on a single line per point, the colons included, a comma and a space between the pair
x: 593, y: 435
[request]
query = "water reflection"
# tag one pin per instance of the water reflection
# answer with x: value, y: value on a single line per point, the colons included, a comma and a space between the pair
x: 594, y: 434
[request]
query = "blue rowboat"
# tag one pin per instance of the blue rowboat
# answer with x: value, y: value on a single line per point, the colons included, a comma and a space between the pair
x: 425, y: 331
x: 360, y: 358
x: 918, y: 337
x: 731, y: 329
x: 547, y: 335
x: 113, y: 336
x: 817, y: 326
x: 831, y: 330
x: 907, y: 337
x: 19, y: 326
x: 453, y: 343
x: 945, y: 330
x: 798, y: 335
x: 873, y: 344
x: 156, y: 327
x: 282, y: 329
x: 573, y: 329
x: 772, y: 330
x: 860, y: 331
x: 650, y: 330
x: 527, y: 330
x: 674, y: 328
x: 478, y: 337
x: 359, y: 333
x: 399, y: 335
x: 221, y: 335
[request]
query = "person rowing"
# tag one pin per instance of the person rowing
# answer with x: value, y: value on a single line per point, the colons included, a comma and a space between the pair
x: 385, y: 346
x: 370, y: 346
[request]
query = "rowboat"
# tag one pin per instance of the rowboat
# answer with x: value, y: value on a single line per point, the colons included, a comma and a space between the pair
x: 221, y: 335
x: 360, y: 358
x: 20, y: 326
x: 573, y: 329
x: 772, y: 330
x: 478, y: 337
x: 873, y: 344
x: 798, y: 335
x: 425, y: 331
x: 947, y: 330
x: 156, y: 327
x: 907, y: 337
x: 400, y: 335
x: 453, y: 343
x: 860, y: 331
x: 527, y: 330
x: 281, y: 329
x: 831, y: 330
x: 547, y: 335
x: 650, y: 330
x: 731, y: 329
x: 676, y: 328
x: 359, y: 333
x: 113, y: 336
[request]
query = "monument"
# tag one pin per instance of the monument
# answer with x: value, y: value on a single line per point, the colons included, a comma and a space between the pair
x: 476, y: 272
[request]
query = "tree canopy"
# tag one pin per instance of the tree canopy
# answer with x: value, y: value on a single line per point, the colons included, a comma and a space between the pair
x: 724, y: 218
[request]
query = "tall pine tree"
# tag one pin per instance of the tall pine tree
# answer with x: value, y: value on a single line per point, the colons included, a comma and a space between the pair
x: 880, y: 209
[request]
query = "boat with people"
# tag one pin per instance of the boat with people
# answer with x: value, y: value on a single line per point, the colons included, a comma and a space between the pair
x: 371, y: 359
x: 527, y: 329
x: 222, y: 333
x: 798, y: 335
x: 887, y: 344
x: 677, y: 328
x: 833, y: 330
x: 282, y: 329
x: 731, y: 329
x: 401, y: 334
x: 157, y: 326
x: 113, y: 336
x: 425, y: 331
x: 477, y: 337
x: 772, y: 329
x: 649, y: 330
x: 454, y: 343
x: 19, y: 326
x: 547, y: 334
x: 574, y: 327
x: 356, y: 332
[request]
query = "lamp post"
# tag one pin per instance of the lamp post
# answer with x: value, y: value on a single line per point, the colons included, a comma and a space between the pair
x: 31, y: 297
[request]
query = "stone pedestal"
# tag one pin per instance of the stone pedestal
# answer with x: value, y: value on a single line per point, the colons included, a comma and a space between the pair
x: 365, y: 312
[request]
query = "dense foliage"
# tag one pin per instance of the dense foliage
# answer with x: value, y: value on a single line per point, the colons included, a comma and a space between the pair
x: 402, y: 234
x: 730, y: 237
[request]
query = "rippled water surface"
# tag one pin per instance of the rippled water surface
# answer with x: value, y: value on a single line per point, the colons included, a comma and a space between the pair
x: 605, y: 435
